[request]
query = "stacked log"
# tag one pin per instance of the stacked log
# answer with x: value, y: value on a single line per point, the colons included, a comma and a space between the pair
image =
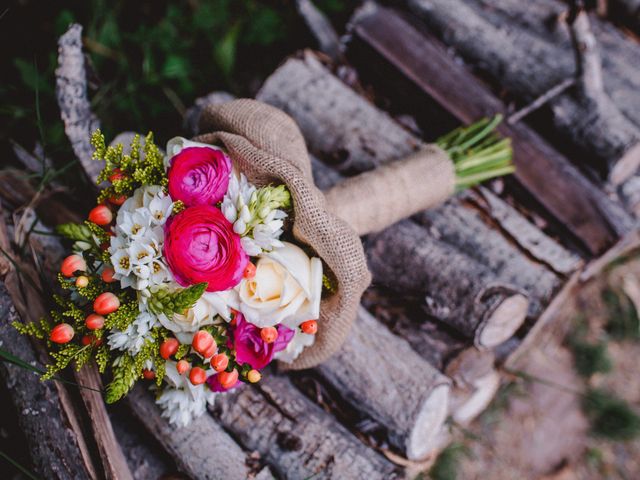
x: 381, y: 375
x: 55, y: 448
x: 411, y: 60
x: 527, y: 49
x: 296, y: 436
x: 341, y: 126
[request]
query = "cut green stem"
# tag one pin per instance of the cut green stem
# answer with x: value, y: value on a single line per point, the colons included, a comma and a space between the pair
x: 478, y: 152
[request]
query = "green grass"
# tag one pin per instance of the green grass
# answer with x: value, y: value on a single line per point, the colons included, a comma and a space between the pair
x: 447, y: 465
x: 610, y: 417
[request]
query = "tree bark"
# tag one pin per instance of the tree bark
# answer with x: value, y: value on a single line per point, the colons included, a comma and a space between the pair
x: 53, y: 444
x: 71, y: 92
x: 203, y: 450
x: 527, y: 50
x: 296, y: 436
x: 460, y: 292
x: 393, y: 55
x: 381, y: 375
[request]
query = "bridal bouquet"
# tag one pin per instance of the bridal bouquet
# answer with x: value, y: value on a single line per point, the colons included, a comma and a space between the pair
x: 200, y: 266
x: 181, y: 275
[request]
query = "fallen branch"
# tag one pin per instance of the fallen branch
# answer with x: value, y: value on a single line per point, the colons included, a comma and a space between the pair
x: 71, y: 93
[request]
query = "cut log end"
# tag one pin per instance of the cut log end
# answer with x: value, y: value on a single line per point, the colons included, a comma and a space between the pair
x: 486, y: 388
x: 423, y: 438
x: 505, y: 320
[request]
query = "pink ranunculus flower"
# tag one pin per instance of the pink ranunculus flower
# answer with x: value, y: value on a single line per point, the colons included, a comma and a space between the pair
x: 199, y: 176
x: 251, y: 349
x: 201, y: 246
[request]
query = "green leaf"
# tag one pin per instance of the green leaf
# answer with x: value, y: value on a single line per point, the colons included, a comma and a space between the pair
x: 74, y: 231
x: 164, y: 301
x: 176, y: 66
x: 225, y: 51
x: 125, y: 373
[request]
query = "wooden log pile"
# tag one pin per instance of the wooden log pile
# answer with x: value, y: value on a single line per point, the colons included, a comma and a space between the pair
x: 458, y: 291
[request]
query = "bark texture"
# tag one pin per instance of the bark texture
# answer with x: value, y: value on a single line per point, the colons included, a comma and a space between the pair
x: 527, y: 49
x: 343, y: 127
x: 396, y: 57
x: 381, y: 375
x: 71, y: 92
x: 203, y: 450
x: 296, y: 436
x: 53, y: 444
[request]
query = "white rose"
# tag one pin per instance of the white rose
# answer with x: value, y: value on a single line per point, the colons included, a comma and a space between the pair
x: 205, y: 312
x: 285, y: 289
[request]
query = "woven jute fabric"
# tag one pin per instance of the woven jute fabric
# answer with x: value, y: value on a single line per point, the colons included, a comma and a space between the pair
x: 267, y: 146
x: 376, y: 199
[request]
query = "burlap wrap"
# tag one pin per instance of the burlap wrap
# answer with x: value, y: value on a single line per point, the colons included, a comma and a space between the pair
x: 266, y: 144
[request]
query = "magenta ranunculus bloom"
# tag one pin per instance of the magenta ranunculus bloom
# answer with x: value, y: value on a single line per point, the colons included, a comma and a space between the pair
x: 251, y: 349
x: 201, y: 246
x: 199, y: 176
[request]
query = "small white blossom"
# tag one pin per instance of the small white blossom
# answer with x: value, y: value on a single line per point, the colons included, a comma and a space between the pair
x: 181, y: 401
x: 135, y: 335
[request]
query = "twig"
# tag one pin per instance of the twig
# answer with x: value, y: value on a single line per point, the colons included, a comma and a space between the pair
x: 585, y: 46
x: 515, y: 117
x: 321, y: 29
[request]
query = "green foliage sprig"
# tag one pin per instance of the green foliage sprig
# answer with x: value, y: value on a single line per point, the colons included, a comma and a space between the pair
x: 133, y: 169
x: 125, y: 374
x: 39, y: 330
x: 169, y: 302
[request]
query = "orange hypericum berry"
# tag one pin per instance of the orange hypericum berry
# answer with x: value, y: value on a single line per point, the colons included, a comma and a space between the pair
x: 94, y: 321
x: 148, y: 374
x: 101, y: 215
x: 269, y: 334
x: 169, y: 347
x: 309, y: 327
x: 228, y: 379
x: 219, y: 362
x: 182, y: 366
x: 254, y: 376
x: 197, y: 376
x: 116, y: 175
x: 87, y: 339
x: 82, y: 281
x: 249, y: 271
x: 202, y: 341
x: 106, y: 303
x: 211, y: 351
x: 118, y: 200
x: 107, y: 275
x: 62, y: 333
x: 72, y: 264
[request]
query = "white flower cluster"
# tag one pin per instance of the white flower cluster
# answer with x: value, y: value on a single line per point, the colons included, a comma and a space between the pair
x: 135, y: 335
x: 267, y: 226
x: 181, y: 401
x: 136, y: 248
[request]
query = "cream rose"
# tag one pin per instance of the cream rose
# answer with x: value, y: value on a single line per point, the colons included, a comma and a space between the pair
x: 206, y: 311
x: 286, y: 288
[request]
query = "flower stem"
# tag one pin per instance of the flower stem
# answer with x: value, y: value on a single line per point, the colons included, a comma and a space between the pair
x: 478, y: 152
